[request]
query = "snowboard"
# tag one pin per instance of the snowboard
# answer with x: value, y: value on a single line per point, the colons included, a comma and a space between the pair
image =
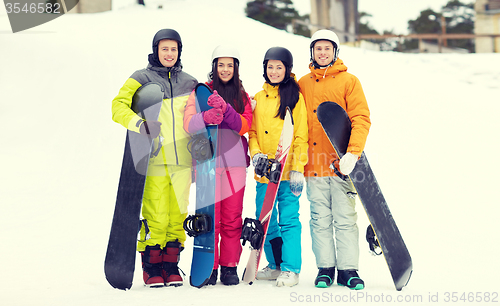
x: 119, y: 263
x: 281, y: 156
x: 337, y: 127
x: 204, y: 244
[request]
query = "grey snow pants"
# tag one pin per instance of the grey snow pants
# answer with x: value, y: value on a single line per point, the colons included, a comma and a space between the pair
x: 334, y: 232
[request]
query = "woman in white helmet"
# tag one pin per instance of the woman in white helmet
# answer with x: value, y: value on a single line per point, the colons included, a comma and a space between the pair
x: 332, y: 210
x: 233, y: 102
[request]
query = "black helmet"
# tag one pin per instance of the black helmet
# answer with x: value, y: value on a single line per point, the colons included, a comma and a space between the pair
x: 161, y: 35
x: 280, y: 54
x: 167, y: 34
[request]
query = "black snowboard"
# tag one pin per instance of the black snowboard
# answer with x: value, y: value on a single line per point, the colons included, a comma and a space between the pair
x: 120, y: 256
x: 337, y: 127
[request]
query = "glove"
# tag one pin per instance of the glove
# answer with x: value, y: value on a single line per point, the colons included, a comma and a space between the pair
x: 217, y: 101
x: 256, y: 158
x: 296, y: 182
x: 150, y: 129
x: 347, y: 163
x: 213, y: 116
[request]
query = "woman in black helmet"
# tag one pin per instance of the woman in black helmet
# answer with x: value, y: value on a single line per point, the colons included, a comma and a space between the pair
x: 166, y: 193
x: 282, y: 246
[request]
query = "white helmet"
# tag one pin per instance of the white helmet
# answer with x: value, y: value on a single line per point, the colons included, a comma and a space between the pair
x: 325, y: 35
x: 225, y: 51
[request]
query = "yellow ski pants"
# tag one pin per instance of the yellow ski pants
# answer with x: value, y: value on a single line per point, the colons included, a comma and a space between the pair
x: 164, y: 205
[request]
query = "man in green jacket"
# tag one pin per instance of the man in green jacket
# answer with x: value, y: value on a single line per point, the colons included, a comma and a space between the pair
x: 166, y: 191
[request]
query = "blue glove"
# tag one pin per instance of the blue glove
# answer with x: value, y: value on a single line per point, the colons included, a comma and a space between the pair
x: 296, y: 182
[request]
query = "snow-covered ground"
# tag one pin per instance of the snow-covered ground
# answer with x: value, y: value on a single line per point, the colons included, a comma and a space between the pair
x: 433, y: 146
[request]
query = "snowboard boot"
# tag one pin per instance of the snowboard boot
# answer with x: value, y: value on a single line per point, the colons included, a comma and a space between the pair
x: 170, y: 271
x: 151, y: 266
x: 287, y: 279
x: 229, y: 276
x: 350, y: 279
x: 268, y: 274
x: 213, y: 278
x: 325, y: 277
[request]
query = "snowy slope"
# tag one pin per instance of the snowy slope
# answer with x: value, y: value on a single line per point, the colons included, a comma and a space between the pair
x: 432, y: 145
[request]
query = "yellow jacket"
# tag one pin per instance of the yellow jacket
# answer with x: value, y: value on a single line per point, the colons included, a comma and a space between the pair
x: 333, y: 84
x: 266, y: 130
x: 176, y: 86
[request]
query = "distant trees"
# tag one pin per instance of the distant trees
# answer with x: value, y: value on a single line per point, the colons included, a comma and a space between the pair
x: 278, y: 14
x: 459, y: 18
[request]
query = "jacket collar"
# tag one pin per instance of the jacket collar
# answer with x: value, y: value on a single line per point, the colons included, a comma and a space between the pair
x: 273, y: 90
x: 336, y: 68
x: 164, y: 71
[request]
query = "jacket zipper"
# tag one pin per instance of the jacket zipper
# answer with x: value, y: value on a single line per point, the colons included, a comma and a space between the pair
x: 173, y: 116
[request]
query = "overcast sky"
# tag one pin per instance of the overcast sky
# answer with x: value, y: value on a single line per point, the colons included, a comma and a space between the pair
x: 387, y: 14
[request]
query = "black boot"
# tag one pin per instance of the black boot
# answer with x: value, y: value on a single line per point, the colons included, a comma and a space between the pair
x: 213, y: 278
x: 229, y: 276
x: 350, y: 279
x: 325, y: 277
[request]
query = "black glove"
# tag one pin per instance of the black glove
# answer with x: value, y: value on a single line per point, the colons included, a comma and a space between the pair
x: 150, y: 128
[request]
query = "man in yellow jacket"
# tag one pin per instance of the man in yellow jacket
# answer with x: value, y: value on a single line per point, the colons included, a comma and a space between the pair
x: 331, y: 197
x: 166, y: 193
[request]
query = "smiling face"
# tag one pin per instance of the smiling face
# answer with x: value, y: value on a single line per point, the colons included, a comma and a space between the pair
x: 275, y: 71
x: 323, y: 52
x: 168, y: 52
x: 225, y: 68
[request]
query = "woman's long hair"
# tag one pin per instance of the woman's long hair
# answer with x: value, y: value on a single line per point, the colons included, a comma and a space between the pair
x: 288, y: 90
x: 233, y: 91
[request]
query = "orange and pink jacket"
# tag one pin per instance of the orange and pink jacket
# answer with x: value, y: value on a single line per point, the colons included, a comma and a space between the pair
x: 333, y: 84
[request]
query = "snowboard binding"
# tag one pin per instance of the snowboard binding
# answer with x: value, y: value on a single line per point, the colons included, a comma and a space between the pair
x: 270, y: 168
x: 373, y: 241
x: 253, y: 232
x: 200, y: 147
x: 197, y: 224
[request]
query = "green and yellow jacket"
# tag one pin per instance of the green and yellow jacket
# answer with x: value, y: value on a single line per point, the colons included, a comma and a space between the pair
x: 176, y: 85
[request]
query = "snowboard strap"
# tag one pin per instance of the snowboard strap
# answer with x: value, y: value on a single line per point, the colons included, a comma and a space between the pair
x: 372, y: 241
x: 252, y: 231
x: 147, y: 235
x: 160, y: 145
x: 197, y: 224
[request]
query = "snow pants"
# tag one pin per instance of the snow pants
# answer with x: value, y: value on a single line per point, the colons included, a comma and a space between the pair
x: 230, y: 182
x: 164, y: 205
x: 284, y: 223
x: 333, y: 210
